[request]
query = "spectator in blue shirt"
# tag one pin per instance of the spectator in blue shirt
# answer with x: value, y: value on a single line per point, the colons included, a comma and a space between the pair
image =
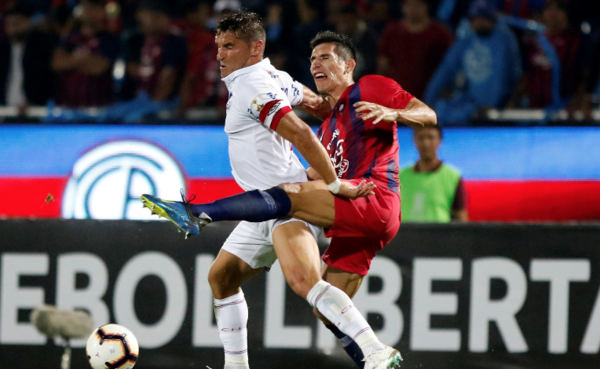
x: 481, y: 69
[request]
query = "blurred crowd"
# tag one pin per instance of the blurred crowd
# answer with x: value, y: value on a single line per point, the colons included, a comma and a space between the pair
x: 462, y: 57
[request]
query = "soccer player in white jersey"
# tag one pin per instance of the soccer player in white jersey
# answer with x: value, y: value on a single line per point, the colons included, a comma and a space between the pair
x: 261, y: 127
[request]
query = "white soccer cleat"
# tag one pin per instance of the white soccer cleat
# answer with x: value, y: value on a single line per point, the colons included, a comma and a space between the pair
x: 388, y: 358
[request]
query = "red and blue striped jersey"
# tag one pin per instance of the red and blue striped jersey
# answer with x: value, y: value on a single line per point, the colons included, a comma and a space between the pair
x: 361, y: 149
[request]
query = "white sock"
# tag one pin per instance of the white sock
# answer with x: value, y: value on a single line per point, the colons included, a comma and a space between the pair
x: 232, y: 320
x: 339, y: 309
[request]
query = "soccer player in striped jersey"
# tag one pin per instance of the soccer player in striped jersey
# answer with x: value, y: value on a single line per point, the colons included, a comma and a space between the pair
x: 360, y: 137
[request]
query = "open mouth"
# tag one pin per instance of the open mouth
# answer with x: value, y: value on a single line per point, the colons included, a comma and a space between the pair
x: 320, y: 76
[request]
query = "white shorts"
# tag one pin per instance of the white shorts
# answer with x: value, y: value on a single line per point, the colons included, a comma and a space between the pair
x: 253, y: 242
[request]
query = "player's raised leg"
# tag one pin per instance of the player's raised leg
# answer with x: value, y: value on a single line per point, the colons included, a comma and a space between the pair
x: 225, y: 277
x: 309, y: 201
x: 296, y: 249
x: 252, y: 206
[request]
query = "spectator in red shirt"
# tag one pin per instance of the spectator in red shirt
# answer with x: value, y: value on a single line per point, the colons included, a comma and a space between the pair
x: 410, y: 50
x: 85, y: 60
x: 537, y: 81
x: 197, y: 83
x: 157, y: 57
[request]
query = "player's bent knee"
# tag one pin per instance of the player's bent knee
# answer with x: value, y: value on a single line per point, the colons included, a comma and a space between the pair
x: 300, y: 287
x: 303, y: 282
x: 213, y: 280
x: 221, y: 284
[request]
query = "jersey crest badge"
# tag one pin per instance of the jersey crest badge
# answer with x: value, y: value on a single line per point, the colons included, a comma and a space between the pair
x: 256, y: 106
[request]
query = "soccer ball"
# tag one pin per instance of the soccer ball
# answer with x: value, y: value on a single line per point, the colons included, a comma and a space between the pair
x: 112, y: 347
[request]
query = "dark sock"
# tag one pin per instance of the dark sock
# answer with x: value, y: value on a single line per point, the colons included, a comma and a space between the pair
x: 252, y: 206
x: 351, y: 347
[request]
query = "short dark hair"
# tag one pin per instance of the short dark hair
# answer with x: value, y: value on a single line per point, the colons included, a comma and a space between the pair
x: 245, y: 25
x: 437, y: 127
x: 344, y: 47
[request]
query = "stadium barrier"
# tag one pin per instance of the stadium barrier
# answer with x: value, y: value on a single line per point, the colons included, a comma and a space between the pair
x: 510, y: 174
x: 448, y: 296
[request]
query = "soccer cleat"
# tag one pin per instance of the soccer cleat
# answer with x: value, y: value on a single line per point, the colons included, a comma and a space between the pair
x: 178, y: 213
x: 388, y: 358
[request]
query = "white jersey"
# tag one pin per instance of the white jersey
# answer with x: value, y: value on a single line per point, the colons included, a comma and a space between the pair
x: 259, y: 96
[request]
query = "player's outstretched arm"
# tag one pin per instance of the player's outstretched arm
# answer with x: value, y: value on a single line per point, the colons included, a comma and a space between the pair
x: 315, y: 104
x: 416, y: 114
x: 306, y: 142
